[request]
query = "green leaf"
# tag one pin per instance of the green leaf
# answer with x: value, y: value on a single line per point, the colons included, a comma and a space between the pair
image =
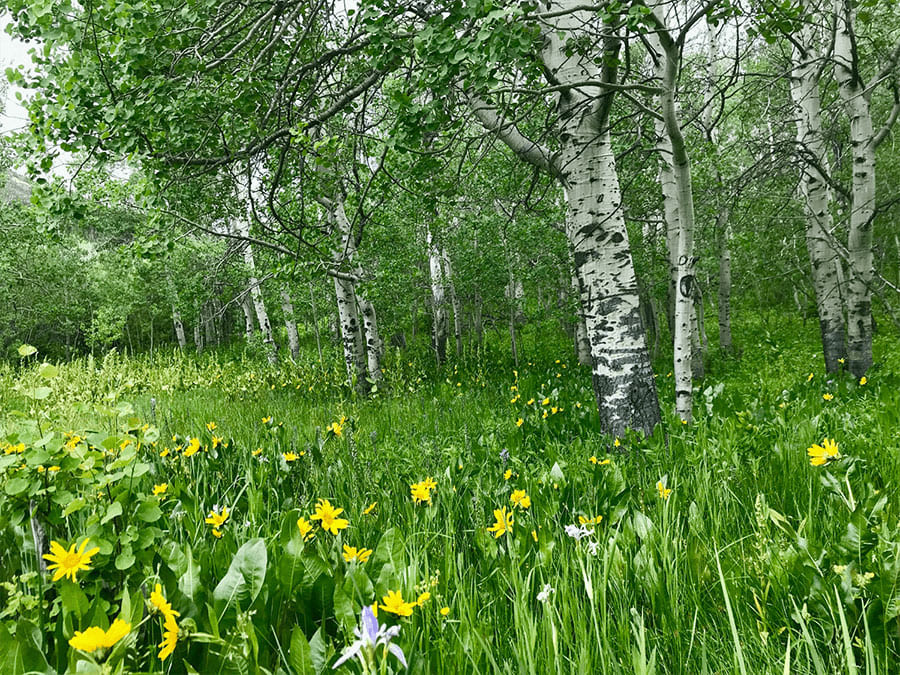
x: 48, y: 371
x: 113, y: 510
x: 125, y: 559
x: 17, y: 486
x: 300, y: 654
x: 149, y: 512
x: 39, y: 393
x: 74, y: 505
x: 189, y: 582
x: 245, y: 576
x: 27, y: 350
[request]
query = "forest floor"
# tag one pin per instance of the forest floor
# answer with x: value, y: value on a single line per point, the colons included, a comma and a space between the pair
x: 520, y: 538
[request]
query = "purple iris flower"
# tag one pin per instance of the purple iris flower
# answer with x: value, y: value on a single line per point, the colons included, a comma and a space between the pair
x: 369, y: 635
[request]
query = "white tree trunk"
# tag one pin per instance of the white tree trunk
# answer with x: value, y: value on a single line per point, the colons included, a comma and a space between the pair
x: 345, y: 292
x: 582, y: 343
x: 595, y: 225
x: 179, y: 328
x: 816, y: 195
x: 725, y: 341
x: 198, y: 338
x: 259, y: 305
x: 249, y: 321
x: 287, y: 308
x: 454, y: 302
x: 668, y: 63
x: 374, y: 344
x: 859, y: 242
x: 439, y: 323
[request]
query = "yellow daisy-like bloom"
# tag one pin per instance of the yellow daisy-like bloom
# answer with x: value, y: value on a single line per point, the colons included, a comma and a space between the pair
x: 305, y: 528
x: 863, y: 380
x: 257, y: 452
x: 809, y: 378
x: 17, y: 449
x: 617, y: 443
x: 546, y: 401
x: 429, y: 483
x: 337, y: 428
x: 217, y: 441
x: 664, y: 492
x: 589, y: 521
x: 445, y: 611
x: 420, y: 493
x: 530, y: 401
x: 290, y: 456
x: 160, y: 489
x: 822, y: 454
x: 95, y: 638
x: 210, y: 426
x: 520, y: 498
x: 370, y: 508
x: 393, y: 602
x: 520, y: 422
x: 266, y: 420
x: 534, y: 535
x: 507, y: 474
x: 828, y: 397
x: 504, y: 523
x: 158, y: 600
x: 327, y: 516
x: 217, y: 519
x: 352, y: 553
x: 192, y: 447
x: 423, y: 598
x: 170, y: 638
x: 68, y: 563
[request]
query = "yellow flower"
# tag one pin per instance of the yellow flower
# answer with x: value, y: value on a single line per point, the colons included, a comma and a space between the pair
x: 589, y: 521
x: 545, y: 401
x: 520, y: 498
x: 863, y: 380
x: 160, y: 489
x: 554, y: 410
x: 170, y: 638
x: 423, y: 598
x: 808, y: 379
x: 534, y: 535
x: 305, y: 528
x: 520, y: 422
x: 841, y: 360
x: 393, y: 603
x: 828, y: 397
x: 216, y: 441
x: 95, y: 638
x: 158, y: 600
x: 210, y: 426
x: 353, y: 553
x: 507, y: 474
x: 192, y: 447
x: 420, y: 493
x: 290, y: 456
x: 337, y: 428
x: 370, y: 508
x: 445, y: 611
x: 266, y: 420
x: 822, y: 454
x: 530, y: 401
x: 617, y: 443
x: 257, y: 452
x: 217, y: 520
x: 68, y: 563
x: 504, y: 522
x: 664, y: 492
x: 429, y: 483
x: 327, y: 516
x: 53, y: 469
x: 17, y: 449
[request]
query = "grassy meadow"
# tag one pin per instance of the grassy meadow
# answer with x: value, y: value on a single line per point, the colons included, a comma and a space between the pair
x: 542, y: 547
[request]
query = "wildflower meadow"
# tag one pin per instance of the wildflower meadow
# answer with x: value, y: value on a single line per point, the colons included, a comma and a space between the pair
x: 217, y: 515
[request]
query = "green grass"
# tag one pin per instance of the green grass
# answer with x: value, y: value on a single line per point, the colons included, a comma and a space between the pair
x: 756, y: 563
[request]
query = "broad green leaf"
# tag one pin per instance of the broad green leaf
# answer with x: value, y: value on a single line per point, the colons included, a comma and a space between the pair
x: 245, y: 576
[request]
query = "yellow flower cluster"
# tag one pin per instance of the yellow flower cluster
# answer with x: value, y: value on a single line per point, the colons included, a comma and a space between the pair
x: 421, y: 491
x: 504, y: 523
x: 327, y: 515
x: 217, y: 520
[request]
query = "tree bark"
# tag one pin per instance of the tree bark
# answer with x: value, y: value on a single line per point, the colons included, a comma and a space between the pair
x: 374, y: 344
x: 287, y: 307
x: 439, y: 322
x: 259, y: 305
x: 247, y: 307
x: 859, y: 243
x: 725, y: 341
x: 816, y: 196
x: 454, y: 302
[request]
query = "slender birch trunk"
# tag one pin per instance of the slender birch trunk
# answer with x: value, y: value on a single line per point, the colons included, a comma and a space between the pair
x: 249, y: 321
x: 315, y: 321
x: 347, y: 302
x: 290, y: 323
x: 668, y: 57
x: 454, y: 302
x: 259, y: 304
x: 198, y: 339
x: 582, y: 342
x: 176, y: 315
x: 816, y: 195
x: 725, y: 341
x: 439, y: 321
x: 374, y: 343
x: 859, y: 242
